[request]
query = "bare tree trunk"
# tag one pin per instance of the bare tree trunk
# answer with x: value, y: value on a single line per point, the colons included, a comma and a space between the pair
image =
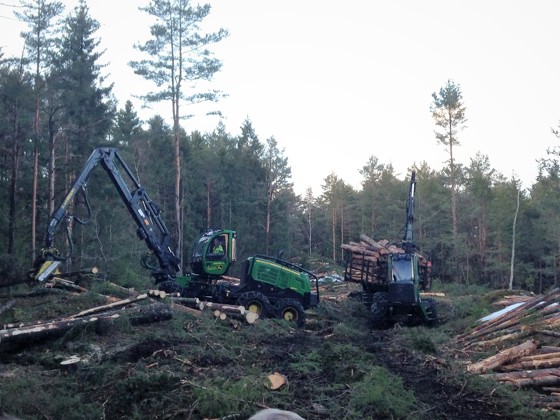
x: 178, y: 227
x: 342, y: 223
x: 267, y: 225
x: 208, y: 210
x: 52, y: 169
x: 513, y: 243
x: 309, y: 226
x: 34, y: 201
x: 453, y: 181
x: 334, y: 233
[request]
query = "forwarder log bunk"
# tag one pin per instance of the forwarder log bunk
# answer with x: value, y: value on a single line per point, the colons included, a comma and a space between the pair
x: 364, y: 256
x: 520, y: 346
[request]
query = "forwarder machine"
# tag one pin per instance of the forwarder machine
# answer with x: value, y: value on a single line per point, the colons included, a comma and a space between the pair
x: 270, y: 286
x: 391, y: 289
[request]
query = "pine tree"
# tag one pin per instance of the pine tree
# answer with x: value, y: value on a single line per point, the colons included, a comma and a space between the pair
x: 179, y: 58
x: 86, y: 104
x: 39, y: 16
x: 278, y: 174
x: 448, y: 112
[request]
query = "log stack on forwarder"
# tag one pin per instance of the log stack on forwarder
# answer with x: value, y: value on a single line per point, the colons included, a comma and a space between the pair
x: 521, y: 345
x: 366, y: 258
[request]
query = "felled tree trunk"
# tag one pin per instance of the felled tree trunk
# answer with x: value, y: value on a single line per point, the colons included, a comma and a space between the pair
x: 528, y: 347
x: 528, y: 377
x: 15, y: 337
x: 540, y: 363
x: 109, y: 306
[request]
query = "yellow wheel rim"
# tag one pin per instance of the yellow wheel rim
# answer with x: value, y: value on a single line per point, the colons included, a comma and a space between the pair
x: 289, y: 315
x: 254, y: 307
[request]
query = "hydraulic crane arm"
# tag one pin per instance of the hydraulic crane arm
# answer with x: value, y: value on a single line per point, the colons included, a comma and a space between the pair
x: 408, y: 243
x: 143, y: 210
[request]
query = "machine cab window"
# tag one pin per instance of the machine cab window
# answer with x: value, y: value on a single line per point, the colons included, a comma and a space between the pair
x: 217, y: 249
x: 402, y: 270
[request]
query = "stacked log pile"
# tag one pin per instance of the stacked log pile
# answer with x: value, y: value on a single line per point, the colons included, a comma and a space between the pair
x: 362, y: 261
x: 219, y: 310
x: 365, y: 256
x: 521, y: 345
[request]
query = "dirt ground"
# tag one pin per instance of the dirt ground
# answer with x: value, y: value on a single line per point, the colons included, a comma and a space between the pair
x: 439, y: 395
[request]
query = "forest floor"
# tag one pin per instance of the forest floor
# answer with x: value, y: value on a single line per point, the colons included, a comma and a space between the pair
x: 188, y: 364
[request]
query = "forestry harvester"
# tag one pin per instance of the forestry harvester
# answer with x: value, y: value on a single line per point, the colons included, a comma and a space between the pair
x: 392, y: 276
x: 270, y: 286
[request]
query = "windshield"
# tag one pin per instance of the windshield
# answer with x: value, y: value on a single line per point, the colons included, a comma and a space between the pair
x: 402, y: 270
x: 200, y: 245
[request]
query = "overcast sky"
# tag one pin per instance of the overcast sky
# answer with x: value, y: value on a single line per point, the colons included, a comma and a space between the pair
x: 335, y: 82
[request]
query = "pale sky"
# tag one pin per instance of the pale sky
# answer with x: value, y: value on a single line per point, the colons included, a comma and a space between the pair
x: 335, y: 82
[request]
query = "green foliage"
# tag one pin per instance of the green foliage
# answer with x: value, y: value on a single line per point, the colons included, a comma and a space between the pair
x: 222, y: 397
x: 31, y: 396
x: 380, y: 394
x: 141, y: 392
x: 422, y: 339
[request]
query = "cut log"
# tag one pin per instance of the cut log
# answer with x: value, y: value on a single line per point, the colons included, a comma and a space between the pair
x: 540, y: 377
x: 359, y: 251
x: 186, y: 309
x: 16, y: 337
x: 249, y: 316
x: 501, y: 340
x: 65, y: 284
x: 555, y: 334
x: 161, y: 294
x: 226, y: 308
x: 103, y: 308
x: 219, y: 314
x: 117, y: 286
x: 531, y: 364
x: 190, y: 302
x: 32, y: 333
x: 147, y: 314
x: 504, y: 356
x: 509, y: 318
x: 276, y: 380
x: 92, y: 270
x: 510, y: 300
x: 371, y: 242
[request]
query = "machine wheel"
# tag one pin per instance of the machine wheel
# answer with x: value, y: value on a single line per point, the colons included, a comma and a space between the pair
x: 431, y: 310
x: 290, y: 310
x: 255, y: 302
x: 380, y: 309
x: 367, y: 299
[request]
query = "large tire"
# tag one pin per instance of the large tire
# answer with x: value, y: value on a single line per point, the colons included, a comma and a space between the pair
x: 431, y: 311
x: 367, y: 299
x: 290, y: 310
x: 380, y: 310
x: 255, y: 302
